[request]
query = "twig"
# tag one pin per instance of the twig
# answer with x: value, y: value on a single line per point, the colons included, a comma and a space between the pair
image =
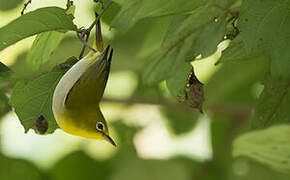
x: 84, y: 46
x: 25, y: 6
x: 86, y: 32
x: 85, y: 42
x: 69, y: 3
x: 100, y: 15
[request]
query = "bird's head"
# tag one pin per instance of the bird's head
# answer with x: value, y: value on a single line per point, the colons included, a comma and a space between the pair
x: 102, y: 130
x: 85, y: 122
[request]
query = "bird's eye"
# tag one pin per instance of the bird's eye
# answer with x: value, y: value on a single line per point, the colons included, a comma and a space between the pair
x: 100, y: 126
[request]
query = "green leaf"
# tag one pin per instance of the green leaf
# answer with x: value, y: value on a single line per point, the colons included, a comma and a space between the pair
x: 42, y: 47
x: 35, y: 22
x: 233, y: 82
x: 9, y: 4
x: 187, y: 42
x: 3, y: 67
x: 174, y: 26
x: 5, y: 73
x: 280, y: 66
x: 270, y: 146
x: 44, y: 44
x: 111, y: 13
x: 34, y: 99
x: 134, y: 10
x: 274, y: 103
x: 4, y: 106
x: 177, y: 83
x: 265, y: 28
x: 235, y: 52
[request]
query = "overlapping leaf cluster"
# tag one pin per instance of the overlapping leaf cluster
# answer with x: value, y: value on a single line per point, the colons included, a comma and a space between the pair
x: 183, y: 30
x: 265, y: 30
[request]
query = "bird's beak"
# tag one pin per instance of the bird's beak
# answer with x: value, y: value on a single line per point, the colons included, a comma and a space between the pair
x: 109, y: 139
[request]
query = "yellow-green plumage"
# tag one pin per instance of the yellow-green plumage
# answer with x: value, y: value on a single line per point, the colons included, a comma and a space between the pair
x: 77, y: 96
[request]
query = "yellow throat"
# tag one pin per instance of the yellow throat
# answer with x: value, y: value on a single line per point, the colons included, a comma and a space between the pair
x: 77, y: 95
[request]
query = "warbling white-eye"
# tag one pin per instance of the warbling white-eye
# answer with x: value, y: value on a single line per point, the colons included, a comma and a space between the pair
x: 77, y: 95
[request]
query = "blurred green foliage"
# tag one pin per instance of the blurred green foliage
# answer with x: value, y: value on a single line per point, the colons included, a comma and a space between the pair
x: 182, y: 120
x: 9, y: 4
x: 13, y: 169
x: 156, y: 40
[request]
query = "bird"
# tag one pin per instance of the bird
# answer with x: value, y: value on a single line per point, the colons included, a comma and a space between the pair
x: 77, y: 95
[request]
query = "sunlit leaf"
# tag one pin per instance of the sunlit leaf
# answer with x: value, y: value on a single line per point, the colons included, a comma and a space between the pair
x: 270, y: 146
x: 42, y: 48
x: 44, y: 44
x: 34, y: 99
x: 38, y: 21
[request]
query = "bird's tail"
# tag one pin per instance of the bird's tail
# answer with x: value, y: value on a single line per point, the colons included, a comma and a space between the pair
x: 98, y: 44
x: 98, y: 41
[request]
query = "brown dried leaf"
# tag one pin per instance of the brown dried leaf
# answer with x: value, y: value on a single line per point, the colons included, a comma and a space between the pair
x: 41, y: 124
x: 195, y: 95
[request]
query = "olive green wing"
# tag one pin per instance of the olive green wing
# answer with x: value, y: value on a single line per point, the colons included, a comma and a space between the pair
x: 90, y: 87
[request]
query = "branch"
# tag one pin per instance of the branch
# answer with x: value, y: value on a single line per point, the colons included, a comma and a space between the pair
x: 25, y: 6
x: 85, y: 42
x: 86, y: 32
x: 100, y: 15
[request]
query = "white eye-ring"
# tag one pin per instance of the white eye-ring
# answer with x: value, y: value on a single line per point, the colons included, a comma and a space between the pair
x: 100, y: 126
